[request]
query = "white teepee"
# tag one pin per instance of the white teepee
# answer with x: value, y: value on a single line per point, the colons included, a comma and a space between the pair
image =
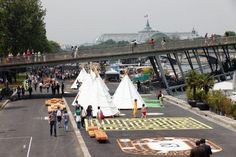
x: 125, y: 95
x: 80, y: 78
x: 94, y: 93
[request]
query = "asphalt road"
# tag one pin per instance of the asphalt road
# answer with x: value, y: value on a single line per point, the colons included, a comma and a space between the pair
x: 219, y: 135
x: 24, y: 132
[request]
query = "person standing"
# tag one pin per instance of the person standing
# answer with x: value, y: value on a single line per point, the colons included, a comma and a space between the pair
x: 30, y: 91
x: 198, y: 151
x: 62, y: 88
x: 58, y: 88
x: 206, y: 147
x: 18, y: 90
x: 139, y: 86
x: 41, y: 87
x: 53, y: 122
x: 66, y: 120
x: 144, y: 111
x: 135, y: 109
x: 23, y: 91
x: 59, y: 116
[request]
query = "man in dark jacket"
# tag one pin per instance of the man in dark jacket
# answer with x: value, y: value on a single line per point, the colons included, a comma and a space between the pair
x: 53, y: 123
x: 206, y: 147
x: 198, y: 151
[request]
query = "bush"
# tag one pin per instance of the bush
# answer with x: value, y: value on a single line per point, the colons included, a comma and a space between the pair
x: 189, y: 93
x: 234, y: 114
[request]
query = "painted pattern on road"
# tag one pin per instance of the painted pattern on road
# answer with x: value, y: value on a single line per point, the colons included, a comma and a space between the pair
x: 162, y: 146
x: 161, y: 123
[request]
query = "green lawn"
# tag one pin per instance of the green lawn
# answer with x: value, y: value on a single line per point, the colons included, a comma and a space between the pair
x: 152, y: 103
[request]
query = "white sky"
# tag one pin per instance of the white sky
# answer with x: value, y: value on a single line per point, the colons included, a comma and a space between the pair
x: 81, y: 21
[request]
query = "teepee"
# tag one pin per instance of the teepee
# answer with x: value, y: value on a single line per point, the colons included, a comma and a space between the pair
x: 94, y: 93
x: 125, y: 94
x: 80, y: 78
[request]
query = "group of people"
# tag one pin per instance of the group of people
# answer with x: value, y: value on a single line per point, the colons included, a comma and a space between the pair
x: 143, y: 110
x: 81, y: 114
x: 201, y: 149
x: 55, y: 120
x: 27, y: 55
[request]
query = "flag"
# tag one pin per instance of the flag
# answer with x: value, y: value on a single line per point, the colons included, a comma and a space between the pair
x: 146, y: 16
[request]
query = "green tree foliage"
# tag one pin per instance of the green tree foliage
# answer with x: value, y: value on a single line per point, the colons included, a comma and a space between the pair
x: 108, y: 43
x: 54, y: 47
x: 230, y: 33
x: 22, y: 26
x: 192, y: 81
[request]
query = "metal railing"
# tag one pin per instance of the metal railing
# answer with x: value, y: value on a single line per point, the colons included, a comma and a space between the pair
x: 119, y: 50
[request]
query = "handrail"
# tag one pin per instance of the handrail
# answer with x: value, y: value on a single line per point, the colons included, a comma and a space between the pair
x: 120, y: 50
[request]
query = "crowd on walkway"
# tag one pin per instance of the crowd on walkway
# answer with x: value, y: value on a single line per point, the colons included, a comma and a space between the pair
x: 28, y: 55
x: 46, y: 80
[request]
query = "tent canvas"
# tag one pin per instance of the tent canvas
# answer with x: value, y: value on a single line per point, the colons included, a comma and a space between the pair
x: 125, y: 94
x: 80, y: 78
x: 96, y: 94
x: 225, y: 85
x: 234, y: 81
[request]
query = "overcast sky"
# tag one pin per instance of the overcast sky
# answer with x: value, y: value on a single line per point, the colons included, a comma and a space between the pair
x: 81, y: 21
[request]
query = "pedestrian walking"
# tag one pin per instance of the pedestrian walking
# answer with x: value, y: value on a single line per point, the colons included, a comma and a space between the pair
x: 53, y: 122
x: 83, y: 116
x: 160, y: 97
x: 206, y: 147
x: 135, y: 109
x: 198, y: 151
x: 163, y: 42
x: 100, y: 116
x: 59, y: 116
x: 78, y: 117
x: 89, y: 111
x: 144, y: 111
x: 66, y: 120
x: 152, y: 43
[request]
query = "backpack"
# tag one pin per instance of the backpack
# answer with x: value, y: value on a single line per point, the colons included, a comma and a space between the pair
x: 77, y: 112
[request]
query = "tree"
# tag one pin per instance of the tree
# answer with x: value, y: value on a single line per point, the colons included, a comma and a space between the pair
x: 230, y: 33
x: 192, y: 81
x: 22, y: 26
x: 54, y: 46
x: 206, y: 82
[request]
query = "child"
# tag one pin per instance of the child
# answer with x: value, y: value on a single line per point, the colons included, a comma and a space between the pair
x: 144, y: 111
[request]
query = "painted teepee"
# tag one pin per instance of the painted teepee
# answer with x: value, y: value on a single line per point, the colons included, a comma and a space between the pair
x: 125, y: 95
x: 93, y: 92
x: 80, y: 78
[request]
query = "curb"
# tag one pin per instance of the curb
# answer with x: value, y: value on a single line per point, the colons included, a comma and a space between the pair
x: 208, y: 115
x: 4, y: 104
x: 7, y: 101
x: 82, y: 145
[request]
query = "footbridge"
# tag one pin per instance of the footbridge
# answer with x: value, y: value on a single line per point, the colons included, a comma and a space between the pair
x: 207, y: 55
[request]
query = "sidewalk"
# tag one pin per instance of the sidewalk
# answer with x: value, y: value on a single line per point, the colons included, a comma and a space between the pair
x: 224, y: 121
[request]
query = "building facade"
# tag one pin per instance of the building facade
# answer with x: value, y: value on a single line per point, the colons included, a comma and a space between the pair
x: 146, y: 34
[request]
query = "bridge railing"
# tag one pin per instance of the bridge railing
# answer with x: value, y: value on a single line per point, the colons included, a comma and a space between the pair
x: 121, y: 50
